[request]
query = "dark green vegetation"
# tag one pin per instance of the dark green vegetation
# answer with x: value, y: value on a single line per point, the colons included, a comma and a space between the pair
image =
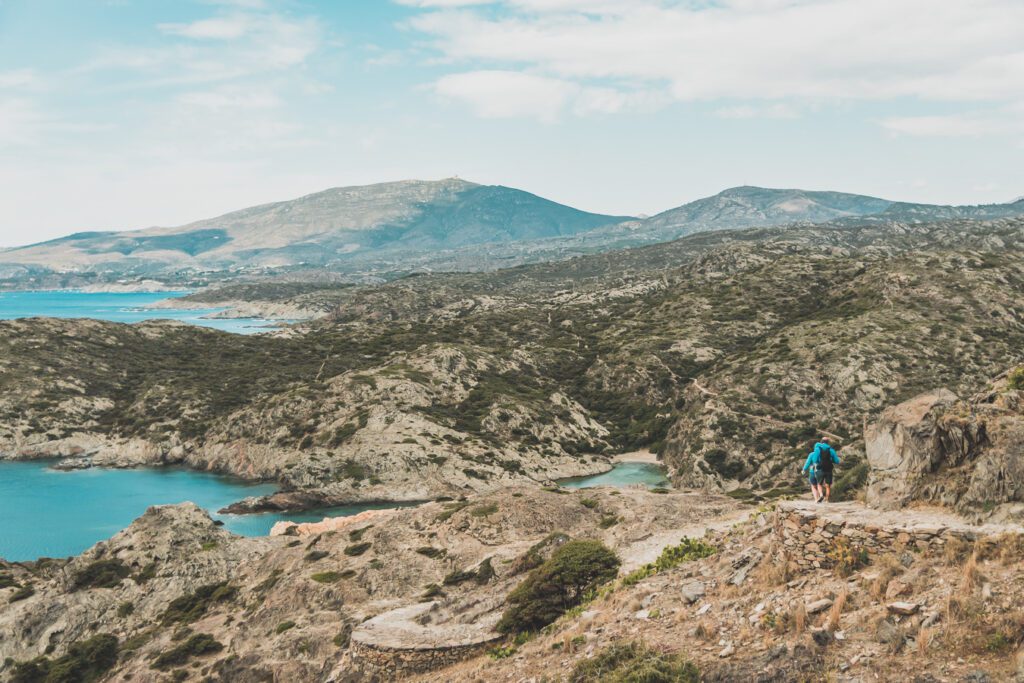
x: 101, y: 574
x: 727, y: 352
x: 197, y: 645
x: 86, y: 661
x: 634, y: 663
x: 188, y: 608
x: 688, y: 550
x: 557, y: 585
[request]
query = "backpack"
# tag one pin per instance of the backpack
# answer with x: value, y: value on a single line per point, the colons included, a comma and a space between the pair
x: 825, y: 463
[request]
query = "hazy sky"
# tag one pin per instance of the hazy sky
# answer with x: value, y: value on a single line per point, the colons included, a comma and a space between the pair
x: 130, y: 113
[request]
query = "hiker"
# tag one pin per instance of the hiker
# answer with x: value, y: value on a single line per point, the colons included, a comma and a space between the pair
x: 827, y: 460
x: 811, y: 470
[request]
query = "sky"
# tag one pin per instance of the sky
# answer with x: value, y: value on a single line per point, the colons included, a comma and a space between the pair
x: 120, y: 114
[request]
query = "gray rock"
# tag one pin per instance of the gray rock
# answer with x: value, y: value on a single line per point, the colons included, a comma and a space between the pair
x: 819, y: 606
x: 903, y: 608
x: 692, y: 591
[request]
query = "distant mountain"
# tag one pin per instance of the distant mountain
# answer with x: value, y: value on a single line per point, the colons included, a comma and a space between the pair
x: 336, y: 224
x: 376, y: 232
x: 753, y: 207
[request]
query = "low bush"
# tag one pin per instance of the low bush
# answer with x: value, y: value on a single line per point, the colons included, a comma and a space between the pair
x: 100, y: 574
x: 357, y: 549
x: 326, y: 577
x: 634, y: 663
x: 557, y: 585
x: 689, y: 549
x: 188, y: 608
x: 284, y: 626
x: 316, y: 555
x: 22, y: 593
x: 124, y: 609
x: 196, y: 646
x: 86, y: 661
x: 432, y: 553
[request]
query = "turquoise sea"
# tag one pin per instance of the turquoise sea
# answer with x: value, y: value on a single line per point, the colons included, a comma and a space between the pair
x: 51, y: 513
x: 623, y: 474
x: 122, y: 307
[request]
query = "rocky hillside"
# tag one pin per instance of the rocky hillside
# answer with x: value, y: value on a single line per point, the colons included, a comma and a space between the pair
x: 726, y: 352
x: 174, y: 597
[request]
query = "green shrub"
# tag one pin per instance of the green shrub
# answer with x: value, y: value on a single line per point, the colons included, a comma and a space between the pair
x: 1015, y: 380
x: 432, y: 553
x: 7, y: 581
x: 86, y: 661
x: 326, y: 577
x: 196, y: 646
x: 458, y: 576
x: 557, y: 585
x: 145, y: 574
x: 450, y: 509
x: 608, y: 521
x: 689, y: 549
x: 284, y: 626
x: 851, y: 481
x: 588, y: 503
x: 208, y: 546
x: 357, y: 534
x: 634, y: 663
x: 188, y: 608
x: 100, y: 574
x: 357, y: 549
x: 431, y: 591
x: 125, y: 608
x: 23, y: 593
x: 316, y: 555
x: 484, y: 510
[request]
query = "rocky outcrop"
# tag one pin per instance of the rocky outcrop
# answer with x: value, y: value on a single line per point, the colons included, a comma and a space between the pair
x: 963, y: 454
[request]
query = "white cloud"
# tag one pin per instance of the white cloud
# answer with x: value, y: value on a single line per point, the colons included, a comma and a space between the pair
x: 749, y: 111
x: 223, y: 28
x: 511, y: 94
x: 19, y: 78
x: 1006, y: 119
x: 741, y: 50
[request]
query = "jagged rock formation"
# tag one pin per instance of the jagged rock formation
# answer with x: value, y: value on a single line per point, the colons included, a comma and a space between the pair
x: 964, y: 454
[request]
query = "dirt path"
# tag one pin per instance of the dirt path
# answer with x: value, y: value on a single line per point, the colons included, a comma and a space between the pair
x: 648, y: 549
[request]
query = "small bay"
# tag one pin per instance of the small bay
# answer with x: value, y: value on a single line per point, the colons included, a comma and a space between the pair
x: 50, y: 513
x: 622, y: 474
x: 122, y: 307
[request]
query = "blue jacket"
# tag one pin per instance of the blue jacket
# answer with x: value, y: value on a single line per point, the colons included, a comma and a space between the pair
x: 821, y: 450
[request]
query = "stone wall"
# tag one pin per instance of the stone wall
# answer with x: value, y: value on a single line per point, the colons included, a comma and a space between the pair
x: 391, y: 663
x: 808, y: 534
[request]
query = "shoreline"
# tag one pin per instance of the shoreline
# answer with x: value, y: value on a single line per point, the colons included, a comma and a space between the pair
x: 643, y: 456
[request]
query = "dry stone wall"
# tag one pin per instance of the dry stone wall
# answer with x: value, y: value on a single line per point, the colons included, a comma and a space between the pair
x: 808, y: 535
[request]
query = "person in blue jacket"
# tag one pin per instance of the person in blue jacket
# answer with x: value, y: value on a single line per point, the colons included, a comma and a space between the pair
x: 820, y: 466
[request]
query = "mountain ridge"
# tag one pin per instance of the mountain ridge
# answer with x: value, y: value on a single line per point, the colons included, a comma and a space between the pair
x: 379, y: 231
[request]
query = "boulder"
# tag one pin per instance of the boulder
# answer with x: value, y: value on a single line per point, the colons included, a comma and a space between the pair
x: 902, y: 446
x: 904, y: 609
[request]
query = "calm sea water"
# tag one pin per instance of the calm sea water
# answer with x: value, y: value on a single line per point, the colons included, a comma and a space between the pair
x: 622, y: 474
x: 49, y: 513
x: 122, y: 307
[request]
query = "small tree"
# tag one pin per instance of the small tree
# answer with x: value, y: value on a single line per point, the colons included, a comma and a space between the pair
x: 558, y: 585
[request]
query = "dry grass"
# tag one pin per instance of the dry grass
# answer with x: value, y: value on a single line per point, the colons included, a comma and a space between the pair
x: 772, y: 573
x: 970, y: 576
x: 924, y: 639
x: 889, y: 568
x: 1007, y: 548
x: 955, y: 551
x: 836, y: 611
x: 800, y: 617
